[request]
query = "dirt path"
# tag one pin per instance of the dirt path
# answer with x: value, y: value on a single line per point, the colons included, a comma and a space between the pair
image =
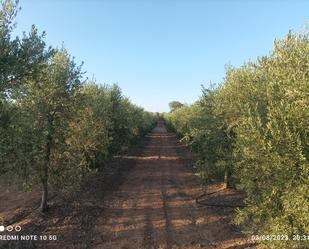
x: 145, y: 199
x: 155, y: 206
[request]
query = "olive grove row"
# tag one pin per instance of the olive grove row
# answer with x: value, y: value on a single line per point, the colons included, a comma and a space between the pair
x: 253, y: 131
x: 54, y: 126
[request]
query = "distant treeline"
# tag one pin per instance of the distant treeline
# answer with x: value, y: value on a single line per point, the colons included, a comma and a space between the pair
x: 253, y: 130
x: 54, y: 126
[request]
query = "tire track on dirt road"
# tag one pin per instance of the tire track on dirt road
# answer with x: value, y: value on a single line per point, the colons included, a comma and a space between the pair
x: 155, y: 205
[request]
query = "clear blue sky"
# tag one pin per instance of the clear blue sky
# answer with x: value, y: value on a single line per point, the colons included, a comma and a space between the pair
x: 162, y: 50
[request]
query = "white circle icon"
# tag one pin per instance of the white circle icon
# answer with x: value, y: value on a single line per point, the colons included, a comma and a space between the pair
x: 9, y: 228
x: 17, y: 228
x: 2, y: 228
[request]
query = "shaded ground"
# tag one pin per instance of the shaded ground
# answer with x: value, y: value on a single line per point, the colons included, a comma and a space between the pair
x: 146, y: 199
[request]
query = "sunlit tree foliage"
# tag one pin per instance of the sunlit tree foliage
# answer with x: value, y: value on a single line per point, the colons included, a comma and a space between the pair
x: 254, y: 127
x: 54, y: 126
